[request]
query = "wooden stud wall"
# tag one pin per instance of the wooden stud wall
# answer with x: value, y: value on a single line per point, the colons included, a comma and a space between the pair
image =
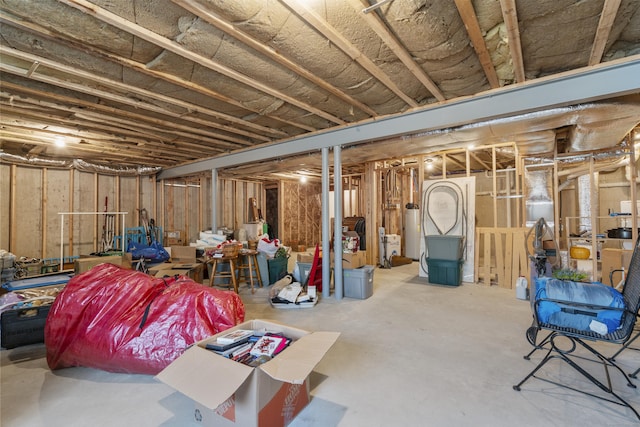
x: 301, y: 213
x: 33, y: 197
x: 30, y: 199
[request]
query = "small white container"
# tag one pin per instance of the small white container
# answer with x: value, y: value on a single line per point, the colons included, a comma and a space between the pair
x: 521, y: 288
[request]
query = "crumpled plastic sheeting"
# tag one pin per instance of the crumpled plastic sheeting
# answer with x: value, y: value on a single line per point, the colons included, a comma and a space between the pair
x: 96, y: 320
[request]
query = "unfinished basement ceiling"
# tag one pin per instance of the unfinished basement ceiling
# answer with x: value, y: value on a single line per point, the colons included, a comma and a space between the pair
x: 159, y: 83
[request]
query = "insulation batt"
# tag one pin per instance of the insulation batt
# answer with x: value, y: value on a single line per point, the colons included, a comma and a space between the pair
x: 97, y: 320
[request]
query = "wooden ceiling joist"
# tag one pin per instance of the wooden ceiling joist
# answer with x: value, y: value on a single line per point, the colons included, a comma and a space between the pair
x: 510, y: 17
x: 231, y: 142
x: 101, y: 153
x: 316, y: 21
x: 468, y: 15
x: 228, y: 28
x: 118, y: 87
x: 183, y: 133
x: 137, y: 30
x: 142, y: 68
x: 608, y: 15
x: 97, y: 131
x: 376, y: 23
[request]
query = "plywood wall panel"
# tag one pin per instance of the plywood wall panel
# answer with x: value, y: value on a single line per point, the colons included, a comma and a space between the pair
x: 28, y: 213
x: 5, y: 205
x: 192, y: 213
x: 146, y: 199
x: 179, y: 208
x: 57, y: 191
x: 128, y: 199
x: 84, y: 200
x: 207, y: 213
x: 241, y: 206
x: 108, y: 201
x: 226, y: 217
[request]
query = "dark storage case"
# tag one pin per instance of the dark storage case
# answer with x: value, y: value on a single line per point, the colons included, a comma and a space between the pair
x: 23, y: 326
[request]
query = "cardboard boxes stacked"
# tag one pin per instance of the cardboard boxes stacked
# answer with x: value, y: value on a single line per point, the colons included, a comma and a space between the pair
x: 172, y: 238
x: 82, y: 264
x: 612, y: 260
x: 183, y: 262
x: 228, y: 393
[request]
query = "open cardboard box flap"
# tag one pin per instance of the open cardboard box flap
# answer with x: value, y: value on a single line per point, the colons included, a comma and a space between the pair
x: 296, y: 363
x: 210, y: 379
x: 204, y: 376
x: 171, y: 272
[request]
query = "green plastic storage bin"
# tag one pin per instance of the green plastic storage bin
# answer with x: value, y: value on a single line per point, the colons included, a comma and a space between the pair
x: 445, y: 272
x: 277, y: 267
x: 446, y: 247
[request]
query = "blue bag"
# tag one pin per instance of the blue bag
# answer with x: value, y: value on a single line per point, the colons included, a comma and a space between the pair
x: 556, y: 304
x: 154, y: 252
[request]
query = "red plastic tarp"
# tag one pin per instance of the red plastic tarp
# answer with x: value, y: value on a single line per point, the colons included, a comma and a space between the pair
x: 121, y: 320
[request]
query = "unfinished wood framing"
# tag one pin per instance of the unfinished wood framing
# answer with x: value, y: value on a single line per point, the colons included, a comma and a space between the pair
x: 301, y: 213
x: 371, y: 214
x: 501, y: 256
x: 43, y: 241
x: 70, y: 226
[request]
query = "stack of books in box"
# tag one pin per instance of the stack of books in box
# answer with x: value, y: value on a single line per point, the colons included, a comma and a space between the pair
x: 249, y: 347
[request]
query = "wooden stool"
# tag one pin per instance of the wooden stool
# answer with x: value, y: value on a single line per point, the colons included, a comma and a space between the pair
x: 251, y: 264
x: 229, y: 255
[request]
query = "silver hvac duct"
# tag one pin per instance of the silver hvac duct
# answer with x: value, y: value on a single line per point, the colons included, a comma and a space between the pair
x: 583, y: 193
x: 538, y: 197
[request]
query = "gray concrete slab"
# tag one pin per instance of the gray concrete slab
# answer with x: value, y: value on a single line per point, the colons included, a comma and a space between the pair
x: 413, y: 354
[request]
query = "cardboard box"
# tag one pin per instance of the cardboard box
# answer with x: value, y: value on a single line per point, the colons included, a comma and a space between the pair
x: 83, y: 264
x: 306, y: 257
x: 228, y: 393
x: 614, y: 259
x: 195, y: 270
x: 352, y: 259
x: 349, y: 259
x: 183, y: 254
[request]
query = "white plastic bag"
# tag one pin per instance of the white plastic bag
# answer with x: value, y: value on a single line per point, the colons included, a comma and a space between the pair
x: 268, y: 247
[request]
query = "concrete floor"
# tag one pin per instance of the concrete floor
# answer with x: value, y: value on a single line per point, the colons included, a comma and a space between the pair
x: 413, y: 354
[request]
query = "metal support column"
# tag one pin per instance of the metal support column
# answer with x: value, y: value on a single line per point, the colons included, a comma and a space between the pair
x: 214, y: 200
x: 337, y: 221
x: 326, y: 226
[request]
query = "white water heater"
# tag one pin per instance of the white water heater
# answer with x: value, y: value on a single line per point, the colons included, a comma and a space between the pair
x: 412, y: 234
